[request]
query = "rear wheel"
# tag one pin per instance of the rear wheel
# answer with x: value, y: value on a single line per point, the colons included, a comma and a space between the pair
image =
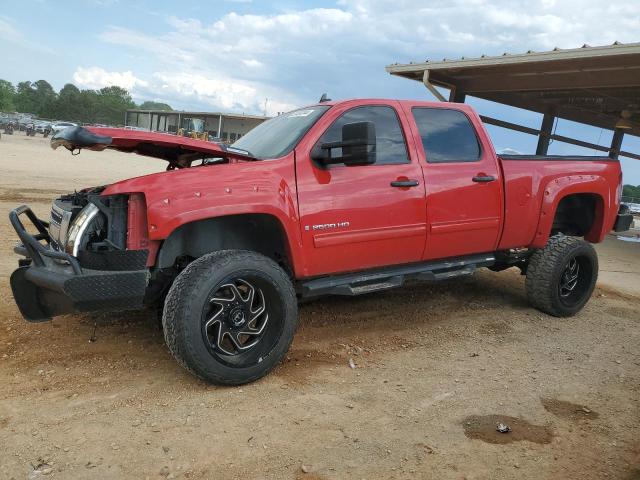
x: 561, y: 276
x: 230, y: 316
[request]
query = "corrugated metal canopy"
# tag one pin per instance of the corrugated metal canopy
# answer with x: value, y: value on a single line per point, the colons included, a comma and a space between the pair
x: 184, y: 113
x: 590, y: 85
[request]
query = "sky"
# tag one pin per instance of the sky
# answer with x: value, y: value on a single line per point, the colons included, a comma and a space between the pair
x: 254, y: 56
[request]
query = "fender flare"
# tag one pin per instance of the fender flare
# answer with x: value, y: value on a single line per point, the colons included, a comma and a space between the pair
x: 561, y: 187
x: 203, y: 219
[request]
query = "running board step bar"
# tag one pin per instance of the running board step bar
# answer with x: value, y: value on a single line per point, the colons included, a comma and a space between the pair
x: 390, y: 277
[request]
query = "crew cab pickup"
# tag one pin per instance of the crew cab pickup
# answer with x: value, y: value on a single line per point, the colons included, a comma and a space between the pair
x: 338, y: 198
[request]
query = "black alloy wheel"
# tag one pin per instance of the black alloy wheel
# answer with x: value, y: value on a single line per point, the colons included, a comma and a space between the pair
x: 230, y: 316
x: 240, y: 323
x: 561, y: 277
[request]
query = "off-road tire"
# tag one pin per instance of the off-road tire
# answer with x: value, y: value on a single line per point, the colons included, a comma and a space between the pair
x: 182, y: 317
x: 545, y: 274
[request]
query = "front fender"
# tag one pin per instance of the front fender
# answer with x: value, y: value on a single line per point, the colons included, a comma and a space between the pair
x: 178, y: 197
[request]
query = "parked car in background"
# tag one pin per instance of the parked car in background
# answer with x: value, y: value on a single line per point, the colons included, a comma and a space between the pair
x: 9, y: 127
x: 42, y: 127
x: 58, y: 126
x: 633, y: 207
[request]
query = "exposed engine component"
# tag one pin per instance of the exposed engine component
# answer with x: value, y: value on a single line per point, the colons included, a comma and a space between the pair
x: 86, y: 221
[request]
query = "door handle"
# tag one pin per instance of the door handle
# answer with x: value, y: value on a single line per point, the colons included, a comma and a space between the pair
x: 405, y: 183
x: 483, y: 178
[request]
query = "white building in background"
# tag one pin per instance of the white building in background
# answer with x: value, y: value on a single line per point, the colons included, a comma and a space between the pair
x: 227, y: 126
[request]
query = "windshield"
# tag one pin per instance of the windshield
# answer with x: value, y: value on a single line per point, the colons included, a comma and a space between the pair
x: 277, y: 137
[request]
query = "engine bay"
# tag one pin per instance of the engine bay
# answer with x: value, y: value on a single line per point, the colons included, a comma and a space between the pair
x: 86, y: 221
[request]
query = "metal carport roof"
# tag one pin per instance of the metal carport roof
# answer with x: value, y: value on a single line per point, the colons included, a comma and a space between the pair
x: 592, y: 85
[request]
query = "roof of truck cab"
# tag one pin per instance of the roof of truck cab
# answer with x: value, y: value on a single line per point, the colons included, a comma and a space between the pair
x: 373, y: 101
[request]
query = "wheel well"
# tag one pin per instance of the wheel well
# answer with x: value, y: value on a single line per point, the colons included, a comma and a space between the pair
x: 260, y: 233
x: 576, y: 214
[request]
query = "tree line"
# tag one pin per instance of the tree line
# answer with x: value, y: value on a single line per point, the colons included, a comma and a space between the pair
x: 106, y: 105
x: 631, y: 191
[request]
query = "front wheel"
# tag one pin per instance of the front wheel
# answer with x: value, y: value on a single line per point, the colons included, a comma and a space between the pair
x: 561, y: 276
x: 230, y: 316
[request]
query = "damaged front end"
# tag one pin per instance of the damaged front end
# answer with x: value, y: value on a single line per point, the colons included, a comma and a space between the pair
x: 93, y: 253
x: 78, y: 261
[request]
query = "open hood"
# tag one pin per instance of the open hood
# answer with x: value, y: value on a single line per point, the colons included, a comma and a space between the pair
x: 179, y: 151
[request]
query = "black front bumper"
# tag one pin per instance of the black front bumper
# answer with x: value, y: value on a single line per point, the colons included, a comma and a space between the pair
x: 50, y: 283
x: 623, y: 219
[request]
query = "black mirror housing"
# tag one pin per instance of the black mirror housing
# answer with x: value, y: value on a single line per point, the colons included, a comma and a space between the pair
x: 358, y: 146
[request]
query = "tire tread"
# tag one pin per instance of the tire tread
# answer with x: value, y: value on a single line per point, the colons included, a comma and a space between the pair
x: 178, y: 306
x: 539, y: 281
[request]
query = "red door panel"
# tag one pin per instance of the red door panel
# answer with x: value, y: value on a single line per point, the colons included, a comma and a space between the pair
x: 464, y: 198
x: 351, y: 217
x: 463, y: 216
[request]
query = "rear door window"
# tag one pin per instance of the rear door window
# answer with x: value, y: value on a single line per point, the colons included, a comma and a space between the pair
x: 447, y: 135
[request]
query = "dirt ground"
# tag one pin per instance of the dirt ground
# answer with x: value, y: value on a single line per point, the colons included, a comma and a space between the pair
x: 437, y: 367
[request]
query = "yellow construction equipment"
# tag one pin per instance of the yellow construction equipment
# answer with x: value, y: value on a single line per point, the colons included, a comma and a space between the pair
x: 193, y: 128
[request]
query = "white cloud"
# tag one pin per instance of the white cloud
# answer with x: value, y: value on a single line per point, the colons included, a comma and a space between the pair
x: 8, y: 31
x: 251, y: 62
x: 292, y: 56
x: 312, y: 22
x: 227, y: 93
x: 96, y: 77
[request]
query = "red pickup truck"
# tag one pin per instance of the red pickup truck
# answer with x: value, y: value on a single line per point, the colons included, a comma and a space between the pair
x: 338, y: 198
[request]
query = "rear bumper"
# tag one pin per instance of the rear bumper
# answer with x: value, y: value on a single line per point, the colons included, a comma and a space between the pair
x: 623, y: 219
x: 50, y: 283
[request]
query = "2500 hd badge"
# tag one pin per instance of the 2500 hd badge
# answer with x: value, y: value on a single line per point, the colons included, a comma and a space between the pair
x: 328, y: 226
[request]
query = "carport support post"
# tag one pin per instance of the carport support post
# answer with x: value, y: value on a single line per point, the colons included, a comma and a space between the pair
x: 616, y: 143
x: 544, y: 137
x: 457, y: 96
x: 431, y: 88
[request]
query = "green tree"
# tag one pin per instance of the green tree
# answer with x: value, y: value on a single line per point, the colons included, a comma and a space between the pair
x: 88, y: 106
x: 631, y: 191
x: 68, y: 105
x: 24, y: 99
x: 44, y: 98
x: 7, y: 94
x: 148, y: 105
x: 112, y: 102
x: 106, y: 105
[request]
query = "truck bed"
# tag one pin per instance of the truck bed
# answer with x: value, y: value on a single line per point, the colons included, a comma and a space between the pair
x: 534, y: 185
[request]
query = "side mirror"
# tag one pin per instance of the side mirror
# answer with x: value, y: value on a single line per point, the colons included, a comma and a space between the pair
x: 358, y: 146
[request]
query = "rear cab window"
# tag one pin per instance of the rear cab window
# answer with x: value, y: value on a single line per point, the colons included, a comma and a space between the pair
x: 447, y: 135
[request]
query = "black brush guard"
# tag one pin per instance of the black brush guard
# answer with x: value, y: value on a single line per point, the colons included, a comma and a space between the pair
x: 50, y: 283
